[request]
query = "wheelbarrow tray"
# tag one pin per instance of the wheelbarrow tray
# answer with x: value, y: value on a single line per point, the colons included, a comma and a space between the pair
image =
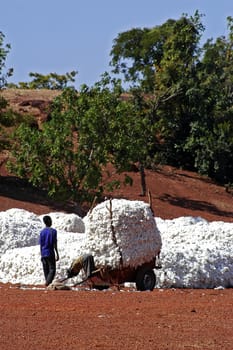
x: 142, y: 275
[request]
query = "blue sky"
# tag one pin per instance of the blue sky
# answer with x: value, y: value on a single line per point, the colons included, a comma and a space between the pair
x: 60, y: 36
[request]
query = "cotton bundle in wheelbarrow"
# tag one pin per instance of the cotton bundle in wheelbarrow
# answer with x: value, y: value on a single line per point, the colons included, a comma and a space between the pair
x: 122, y: 233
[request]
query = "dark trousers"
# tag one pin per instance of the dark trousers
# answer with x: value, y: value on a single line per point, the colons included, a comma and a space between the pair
x: 49, y: 268
x: 88, y: 264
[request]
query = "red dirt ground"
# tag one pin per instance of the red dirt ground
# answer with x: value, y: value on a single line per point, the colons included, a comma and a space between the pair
x: 84, y: 319
x: 162, y: 319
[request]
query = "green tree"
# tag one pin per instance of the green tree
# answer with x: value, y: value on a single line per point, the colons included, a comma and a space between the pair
x: 211, y: 135
x: 162, y: 62
x: 177, y: 90
x: 4, y: 50
x: 86, y: 131
x: 6, y: 118
x: 137, y: 54
x: 51, y: 81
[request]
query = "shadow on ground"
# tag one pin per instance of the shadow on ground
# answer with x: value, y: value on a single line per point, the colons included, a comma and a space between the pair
x: 195, y: 205
x: 21, y: 190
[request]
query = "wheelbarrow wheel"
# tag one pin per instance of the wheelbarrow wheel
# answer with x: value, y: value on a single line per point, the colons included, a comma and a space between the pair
x: 145, y: 279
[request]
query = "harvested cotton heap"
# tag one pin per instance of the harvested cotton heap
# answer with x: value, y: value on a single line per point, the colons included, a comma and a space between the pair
x: 18, y: 228
x: 196, y: 253
x: 19, y: 249
x: 124, y: 229
x: 23, y: 265
x: 66, y: 222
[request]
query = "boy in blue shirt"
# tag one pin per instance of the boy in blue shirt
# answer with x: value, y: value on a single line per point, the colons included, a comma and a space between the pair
x: 48, y: 250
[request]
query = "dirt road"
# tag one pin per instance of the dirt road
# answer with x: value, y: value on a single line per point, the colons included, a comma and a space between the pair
x: 112, y: 319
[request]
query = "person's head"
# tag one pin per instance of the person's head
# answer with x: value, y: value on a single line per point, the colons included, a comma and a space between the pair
x: 47, y: 220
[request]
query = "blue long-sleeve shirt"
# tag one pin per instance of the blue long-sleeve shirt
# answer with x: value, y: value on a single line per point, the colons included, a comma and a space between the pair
x: 47, y: 241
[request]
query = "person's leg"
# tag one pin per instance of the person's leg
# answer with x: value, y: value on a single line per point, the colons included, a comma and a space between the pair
x: 52, y: 269
x: 45, y: 267
x: 88, y: 264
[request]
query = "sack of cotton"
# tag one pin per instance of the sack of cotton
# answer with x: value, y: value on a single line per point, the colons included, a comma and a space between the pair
x: 122, y: 233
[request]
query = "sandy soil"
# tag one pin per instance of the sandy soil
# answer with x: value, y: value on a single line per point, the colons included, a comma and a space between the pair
x: 85, y: 319
x: 162, y: 319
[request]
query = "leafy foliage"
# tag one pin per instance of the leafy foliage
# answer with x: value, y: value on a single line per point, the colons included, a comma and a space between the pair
x: 6, y: 118
x: 190, y: 92
x: 4, y: 50
x: 211, y: 135
x: 51, y: 81
x: 86, y: 131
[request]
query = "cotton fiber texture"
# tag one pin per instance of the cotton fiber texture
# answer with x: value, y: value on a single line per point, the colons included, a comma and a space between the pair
x: 122, y: 233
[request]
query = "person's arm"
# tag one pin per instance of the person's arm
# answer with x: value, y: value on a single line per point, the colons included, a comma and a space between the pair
x: 56, y: 250
x: 40, y: 244
x: 55, y: 247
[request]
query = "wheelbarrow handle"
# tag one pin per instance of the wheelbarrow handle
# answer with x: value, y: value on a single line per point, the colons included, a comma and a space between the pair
x: 85, y: 279
x: 80, y: 282
x: 64, y: 279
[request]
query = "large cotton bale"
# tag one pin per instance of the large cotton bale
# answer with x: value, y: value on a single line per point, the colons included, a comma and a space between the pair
x: 18, y: 228
x: 122, y: 232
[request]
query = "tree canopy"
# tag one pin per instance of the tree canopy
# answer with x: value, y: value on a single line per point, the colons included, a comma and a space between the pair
x: 86, y: 131
x: 6, y: 119
x: 190, y: 89
x: 178, y: 110
x: 4, y: 50
x: 51, y: 81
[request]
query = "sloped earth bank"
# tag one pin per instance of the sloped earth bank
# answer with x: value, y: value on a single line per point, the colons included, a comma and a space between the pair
x: 174, y: 193
x: 162, y: 319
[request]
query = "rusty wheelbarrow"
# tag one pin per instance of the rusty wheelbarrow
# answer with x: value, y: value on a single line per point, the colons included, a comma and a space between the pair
x: 104, y: 277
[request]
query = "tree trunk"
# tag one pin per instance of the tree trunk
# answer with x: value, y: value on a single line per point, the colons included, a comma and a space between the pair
x: 143, y: 179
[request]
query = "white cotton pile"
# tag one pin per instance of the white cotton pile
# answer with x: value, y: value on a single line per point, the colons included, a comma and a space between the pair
x: 18, y: 228
x: 196, y: 253
x: 23, y: 265
x: 66, y: 222
x: 122, y: 229
x: 19, y: 249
